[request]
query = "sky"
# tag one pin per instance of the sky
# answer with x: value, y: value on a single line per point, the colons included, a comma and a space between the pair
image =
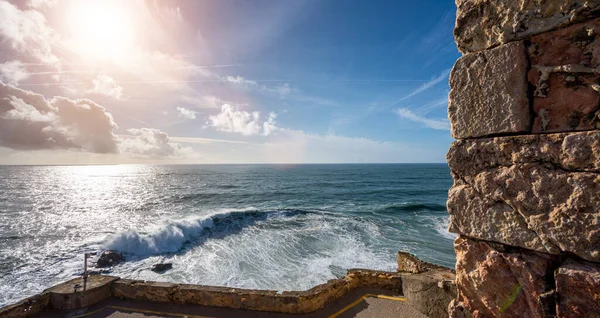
x: 228, y: 81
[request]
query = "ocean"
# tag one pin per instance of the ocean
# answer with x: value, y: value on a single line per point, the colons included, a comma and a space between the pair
x: 278, y: 227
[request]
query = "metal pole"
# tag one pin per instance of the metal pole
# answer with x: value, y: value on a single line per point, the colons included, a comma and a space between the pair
x: 85, y: 264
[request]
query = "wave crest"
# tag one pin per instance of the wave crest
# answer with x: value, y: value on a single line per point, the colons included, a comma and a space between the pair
x: 174, y: 234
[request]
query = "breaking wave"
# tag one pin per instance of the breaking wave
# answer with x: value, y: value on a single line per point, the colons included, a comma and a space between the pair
x: 173, y: 235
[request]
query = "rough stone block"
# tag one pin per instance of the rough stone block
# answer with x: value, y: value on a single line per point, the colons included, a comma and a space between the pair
x: 578, y: 290
x: 482, y: 24
x: 427, y: 293
x: 409, y: 263
x: 79, y: 293
x: 497, y: 281
x: 32, y: 306
x: 489, y: 93
x: 565, y: 75
x: 537, y: 191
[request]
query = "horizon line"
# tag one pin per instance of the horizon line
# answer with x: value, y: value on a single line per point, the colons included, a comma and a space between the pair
x: 224, y: 164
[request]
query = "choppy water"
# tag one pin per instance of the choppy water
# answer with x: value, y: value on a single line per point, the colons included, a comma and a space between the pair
x: 249, y: 226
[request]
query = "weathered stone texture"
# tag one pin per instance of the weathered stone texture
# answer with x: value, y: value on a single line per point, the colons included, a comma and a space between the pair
x: 267, y: 300
x: 427, y: 293
x: 409, y: 263
x: 565, y: 76
x: 494, y: 281
x: 482, y: 24
x: 489, y: 93
x: 28, y: 307
x: 477, y: 216
x: 538, y: 192
x: 578, y: 290
x: 98, y: 287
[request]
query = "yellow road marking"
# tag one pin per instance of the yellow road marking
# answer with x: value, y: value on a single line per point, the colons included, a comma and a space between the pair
x: 388, y: 297
x: 356, y: 302
x: 143, y: 311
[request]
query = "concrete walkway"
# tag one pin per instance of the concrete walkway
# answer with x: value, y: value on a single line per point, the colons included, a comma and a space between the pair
x: 363, y: 303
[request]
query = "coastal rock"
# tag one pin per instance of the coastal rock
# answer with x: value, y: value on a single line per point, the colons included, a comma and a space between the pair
x: 489, y: 93
x: 578, y: 289
x: 496, y: 281
x: 482, y: 24
x: 162, y: 267
x: 536, y: 192
x: 563, y: 72
x: 110, y: 258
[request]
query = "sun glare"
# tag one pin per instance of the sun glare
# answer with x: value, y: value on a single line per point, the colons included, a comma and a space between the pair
x: 101, y: 29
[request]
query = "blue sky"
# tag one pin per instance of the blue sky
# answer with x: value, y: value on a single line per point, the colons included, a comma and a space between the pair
x: 225, y: 81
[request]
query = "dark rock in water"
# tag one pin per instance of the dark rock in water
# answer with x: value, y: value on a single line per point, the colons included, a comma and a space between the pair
x: 110, y: 258
x: 159, y: 268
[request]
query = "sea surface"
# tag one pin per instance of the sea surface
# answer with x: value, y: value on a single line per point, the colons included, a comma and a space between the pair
x: 280, y: 227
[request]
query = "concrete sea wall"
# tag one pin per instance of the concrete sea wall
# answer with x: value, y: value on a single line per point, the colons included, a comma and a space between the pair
x: 524, y: 107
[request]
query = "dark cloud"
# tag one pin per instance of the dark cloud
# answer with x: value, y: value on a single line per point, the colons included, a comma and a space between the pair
x: 30, y: 122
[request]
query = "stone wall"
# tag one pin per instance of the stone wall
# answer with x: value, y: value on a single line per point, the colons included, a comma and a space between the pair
x: 524, y: 107
x: 429, y: 289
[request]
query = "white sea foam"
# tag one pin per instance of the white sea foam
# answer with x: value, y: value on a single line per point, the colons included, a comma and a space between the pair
x: 441, y: 226
x: 168, y: 237
x: 291, y: 249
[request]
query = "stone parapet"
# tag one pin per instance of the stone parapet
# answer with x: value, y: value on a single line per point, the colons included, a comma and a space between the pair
x: 528, y: 191
x: 549, y: 84
x: 27, y: 307
x: 483, y: 24
x: 495, y: 280
x: 260, y: 300
x: 488, y: 93
x: 578, y: 289
x: 498, y: 281
x: 408, y: 263
x: 78, y: 293
x: 525, y: 107
x: 428, y: 292
x: 565, y: 74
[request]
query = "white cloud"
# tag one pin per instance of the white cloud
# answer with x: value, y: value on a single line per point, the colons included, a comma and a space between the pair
x: 440, y: 124
x: 283, y: 90
x: 240, y: 81
x: 186, y: 113
x: 106, y: 85
x: 147, y: 142
x: 269, y: 125
x: 434, y: 81
x: 42, y: 3
x: 26, y: 32
x: 230, y: 119
x: 13, y: 72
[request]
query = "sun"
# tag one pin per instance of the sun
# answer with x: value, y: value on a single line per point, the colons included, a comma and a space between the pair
x: 100, y: 29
